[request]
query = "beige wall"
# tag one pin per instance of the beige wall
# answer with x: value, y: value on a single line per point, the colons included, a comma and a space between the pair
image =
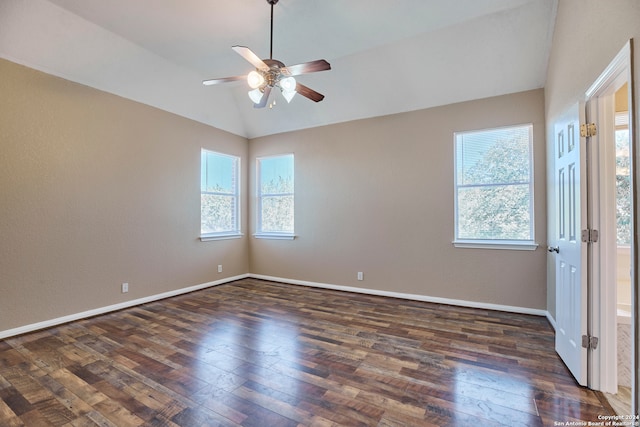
x: 376, y: 196
x: 96, y: 190
x: 622, y: 98
x: 588, y: 35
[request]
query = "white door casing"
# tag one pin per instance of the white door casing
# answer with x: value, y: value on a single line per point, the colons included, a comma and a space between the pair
x: 600, y: 109
x: 571, y: 253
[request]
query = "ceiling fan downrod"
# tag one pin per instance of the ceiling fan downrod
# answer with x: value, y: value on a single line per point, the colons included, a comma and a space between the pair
x: 272, y: 3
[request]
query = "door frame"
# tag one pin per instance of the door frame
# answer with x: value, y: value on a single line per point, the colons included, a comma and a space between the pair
x: 603, y: 302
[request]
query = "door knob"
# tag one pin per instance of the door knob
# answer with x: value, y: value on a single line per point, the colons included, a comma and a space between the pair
x: 553, y: 249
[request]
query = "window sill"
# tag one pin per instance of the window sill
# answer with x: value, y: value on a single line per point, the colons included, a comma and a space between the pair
x: 209, y: 237
x: 275, y: 236
x: 515, y: 245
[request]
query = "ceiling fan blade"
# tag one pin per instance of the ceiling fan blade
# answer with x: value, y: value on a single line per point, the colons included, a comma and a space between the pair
x: 307, y: 67
x: 223, y: 80
x: 309, y: 93
x: 248, y: 54
x: 264, y: 99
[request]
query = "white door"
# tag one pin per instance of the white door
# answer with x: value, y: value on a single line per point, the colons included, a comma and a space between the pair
x: 570, y: 252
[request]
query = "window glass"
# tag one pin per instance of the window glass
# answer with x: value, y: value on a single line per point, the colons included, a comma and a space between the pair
x: 494, y: 185
x: 275, y: 195
x: 623, y: 180
x: 219, y: 194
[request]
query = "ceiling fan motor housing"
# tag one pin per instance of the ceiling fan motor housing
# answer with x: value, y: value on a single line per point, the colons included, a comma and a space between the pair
x: 274, y: 74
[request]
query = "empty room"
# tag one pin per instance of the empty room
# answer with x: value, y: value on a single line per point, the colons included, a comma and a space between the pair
x: 319, y: 213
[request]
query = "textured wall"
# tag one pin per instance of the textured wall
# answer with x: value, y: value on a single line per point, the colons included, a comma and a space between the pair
x: 96, y: 190
x: 376, y: 196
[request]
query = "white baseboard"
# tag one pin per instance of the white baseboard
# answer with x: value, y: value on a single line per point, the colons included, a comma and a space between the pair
x: 551, y: 320
x: 102, y: 310
x: 424, y: 298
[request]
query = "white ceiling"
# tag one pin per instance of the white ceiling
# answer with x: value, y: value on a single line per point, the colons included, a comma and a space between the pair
x: 386, y: 56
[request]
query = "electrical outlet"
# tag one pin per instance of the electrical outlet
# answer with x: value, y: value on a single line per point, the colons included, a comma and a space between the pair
x: 125, y: 288
x: 360, y: 275
x: 220, y: 268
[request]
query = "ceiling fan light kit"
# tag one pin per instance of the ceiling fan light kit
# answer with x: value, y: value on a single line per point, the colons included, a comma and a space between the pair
x: 270, y: 73
x: 255, y: 79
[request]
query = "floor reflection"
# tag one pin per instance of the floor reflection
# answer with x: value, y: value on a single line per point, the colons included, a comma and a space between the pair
x: 232, y: 351
x: 494, y: 396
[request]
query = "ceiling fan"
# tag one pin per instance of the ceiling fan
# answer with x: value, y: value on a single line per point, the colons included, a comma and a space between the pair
x: 271, y: 73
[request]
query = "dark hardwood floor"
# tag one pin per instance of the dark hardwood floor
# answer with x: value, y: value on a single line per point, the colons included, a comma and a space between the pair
x: 256, y: 353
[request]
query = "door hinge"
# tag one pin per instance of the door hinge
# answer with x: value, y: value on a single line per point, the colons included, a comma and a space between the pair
x: 588, y: 129
x: 589, y: 342
x: 590, y: 236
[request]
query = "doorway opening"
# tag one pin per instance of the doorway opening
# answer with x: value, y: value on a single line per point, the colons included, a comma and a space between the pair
x: 611, y: 211
x: 620, y: 143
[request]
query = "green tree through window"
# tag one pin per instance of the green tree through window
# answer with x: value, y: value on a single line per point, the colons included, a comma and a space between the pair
x: 219, y: 195
x: 494, y: 185
x: 275, y: 195
x: 623, y: 187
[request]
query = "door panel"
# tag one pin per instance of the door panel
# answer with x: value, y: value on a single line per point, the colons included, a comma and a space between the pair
x: 570, y: 258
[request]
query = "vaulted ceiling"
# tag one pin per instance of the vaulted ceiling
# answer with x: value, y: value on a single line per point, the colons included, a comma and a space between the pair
x: 386, y: 56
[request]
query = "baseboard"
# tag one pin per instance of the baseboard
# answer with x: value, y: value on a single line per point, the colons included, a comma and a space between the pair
x: 551, y: 320
x: 415, y: 297
x: 102, y: 310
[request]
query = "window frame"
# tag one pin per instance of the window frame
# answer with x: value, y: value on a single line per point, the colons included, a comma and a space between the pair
x: 509, y: 244
x: 236, y: 232
x: 277, y: 235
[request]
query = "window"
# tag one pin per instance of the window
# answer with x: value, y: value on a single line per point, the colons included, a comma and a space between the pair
x: 219, y: 196
x: 494, y: 188
x: 623, y: 180
x: 275, y: 197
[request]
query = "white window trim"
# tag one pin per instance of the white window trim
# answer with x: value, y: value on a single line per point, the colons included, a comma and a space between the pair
x: 270, y: 234
x: 275, y: 236
x: 229, y: 234
x: 520, y: 245
x: 517, y: 245
x: 220, y: 236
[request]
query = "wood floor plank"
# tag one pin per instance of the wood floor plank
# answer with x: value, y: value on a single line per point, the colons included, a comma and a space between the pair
x: 7, y: 415
x: 259, y: 353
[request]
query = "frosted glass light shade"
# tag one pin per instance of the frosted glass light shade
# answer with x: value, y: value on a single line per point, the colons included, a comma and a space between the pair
x: 255, y: 95
x: 255, y: 79
x: 288, y: 84
x: 289, y: 95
